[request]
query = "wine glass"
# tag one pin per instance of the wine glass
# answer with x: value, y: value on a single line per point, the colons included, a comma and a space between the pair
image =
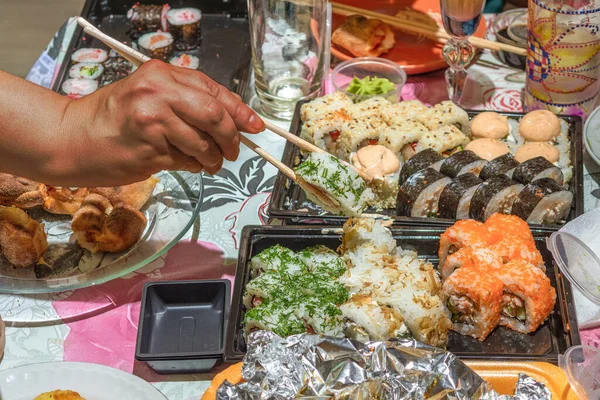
x: 461, y: 19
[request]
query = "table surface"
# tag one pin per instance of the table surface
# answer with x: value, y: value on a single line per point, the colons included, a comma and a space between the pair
x: 99, y: 324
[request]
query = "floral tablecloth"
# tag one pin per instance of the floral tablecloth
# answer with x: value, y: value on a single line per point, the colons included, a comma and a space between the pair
x: 99, y: 324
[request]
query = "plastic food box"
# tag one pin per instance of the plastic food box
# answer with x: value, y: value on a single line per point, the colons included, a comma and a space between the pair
x: 182, y: 325
x: 553, y: 338
x: 224, y: 48
x: 289, y: 203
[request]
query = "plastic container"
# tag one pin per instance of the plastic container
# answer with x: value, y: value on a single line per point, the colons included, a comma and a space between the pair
x: 182, y: 325
x: 363, y: 67
x: 582, y: 367
x: 554, y: 337
x: 289, y: 203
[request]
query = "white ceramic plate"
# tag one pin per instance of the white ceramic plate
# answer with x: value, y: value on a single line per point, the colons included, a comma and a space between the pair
x: 91, y: 381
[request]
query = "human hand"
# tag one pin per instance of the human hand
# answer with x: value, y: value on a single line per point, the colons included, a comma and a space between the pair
x: 159, y: 118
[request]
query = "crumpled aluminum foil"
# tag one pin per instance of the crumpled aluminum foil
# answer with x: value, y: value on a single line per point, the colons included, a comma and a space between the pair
x: 314, y: 367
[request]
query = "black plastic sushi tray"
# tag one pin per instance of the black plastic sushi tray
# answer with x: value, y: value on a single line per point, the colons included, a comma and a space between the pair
x: 290, y: 205
x: 554, y: 337
x: 224, y: 46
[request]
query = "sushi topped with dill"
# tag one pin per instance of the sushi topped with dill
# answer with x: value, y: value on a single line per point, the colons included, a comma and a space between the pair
x: 339, y: 183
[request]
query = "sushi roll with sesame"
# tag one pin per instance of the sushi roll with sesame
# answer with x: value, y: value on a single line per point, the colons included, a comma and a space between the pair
x: 89, y: 55
x: 505, y: 164
x: 462, y: 162
x: 185, y: 61
x: 184, y: 24
x: 446, y: 140
x: 538, y: 168
x: 362, y: 313
x: 496, y: 195
x: 419, y: 195
x: 424, y: 159
x: 404, y: 111
x: 399, y: 134
x: 455, y: 200
x: 77, y: 88
x: 373, y: 107
x: 528, y: 297
x: 321, y: 106
x: 543, y: 201
x: 446, y: 113
x: 359, y: 132
x: 324, y: 131
x: 157, y: 45
x: 148, y: 17
x: 86, y: 71
x: 474, y: 298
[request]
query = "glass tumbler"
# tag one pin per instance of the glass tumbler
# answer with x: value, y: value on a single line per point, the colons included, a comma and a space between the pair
x: 287, y: 39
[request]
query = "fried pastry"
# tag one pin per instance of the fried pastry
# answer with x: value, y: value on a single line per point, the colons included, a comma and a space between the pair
x: 60, y: 395
x: 364, y: 37
x: 136, y: 194
x: 19, y: 192
x: 22, y: 239
x: 101, y: 226
x: 62, y: 200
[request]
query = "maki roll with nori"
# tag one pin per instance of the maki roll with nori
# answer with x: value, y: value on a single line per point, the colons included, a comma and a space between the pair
x: 543, y: 201
x: 157, y: 45
x: 420, y: 194
x: 89, y: 55
x: 505, y: 164
x: 118, y: 66
x: 537, y: 168
x: 148, y: 17
x: 424, y: 159
x: 185, y: 61
x: 496, y: 195
x: 86, y: 71
x: 77, y: 88
x: 455, y: 200
x: 463, y: 162
x: 185, y: 26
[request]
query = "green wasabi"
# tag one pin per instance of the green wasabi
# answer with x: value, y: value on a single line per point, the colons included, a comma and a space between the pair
x: 370, y: 86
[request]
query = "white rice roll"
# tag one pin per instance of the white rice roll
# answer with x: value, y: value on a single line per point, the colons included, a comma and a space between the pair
x: 323, y: 318
x: 325, y: 131
x: 262, y: 287
x: 442, y: 139
x: 77, y: 88
x: 86, y: 71
x: 398, y: 134
x: 322, y: 106
x: 89, y: 55
x: 277, y: 259
x: 380, y: 322
x: 373, y: 107
x: 345, y: 191
x: 367, y: 232
x: 322, y: 260
x: 185, y: 61
x: 359, y: 132
x: 446, y: 113
x: 273, y: 316
x: 403, y: 111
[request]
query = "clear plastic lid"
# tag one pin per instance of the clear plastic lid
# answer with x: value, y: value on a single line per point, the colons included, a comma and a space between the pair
x: 575, y: 249
x: 582, y: 366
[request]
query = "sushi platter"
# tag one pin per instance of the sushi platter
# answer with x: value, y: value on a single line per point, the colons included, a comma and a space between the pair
x: 457, y: 175
x: 208, y: 36
x: 310, y: 245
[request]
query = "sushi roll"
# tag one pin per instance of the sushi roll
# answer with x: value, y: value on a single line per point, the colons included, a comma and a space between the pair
x: 357, y: 133
x: 89, y: 55
x: 480, y: 258
x: 455, y: 200
x: 543, y: 201
x: 148, y: 17
x: 528, y: 297
x: 320, y: 317
x: 500, y: 226
x: 443, y: 114
x: 537, y: 168
x: 404, y: 111
x: 77, y: 88
x: 322, y: 260
x: 157, y: 45
x: 463, y: 162
x: 319, y: 107
x: 373, y: 107
x: 379, y: 322
x: 334, y: 186
x: 185, y: 61
x: 264, y: 287
x: 399, y: 134
x: 367, y: 232
x: 118, y: 66
x: 276, y: 316
x: 322, y: 287
x: 324, y: 131
x: 447, y: 140
x: 497, y: 194
x: 518, y: 249
x: 463, y: 233
x: 474, y: 297
x: 185, y: 27
x: 504, y: 164
x: 86, y: 71
x: 277, y: 259
x: 419, y: 195
x: 425, y: 159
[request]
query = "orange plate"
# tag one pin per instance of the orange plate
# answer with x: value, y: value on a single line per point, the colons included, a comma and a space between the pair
x: 503, y: 376
x: 415, y: 54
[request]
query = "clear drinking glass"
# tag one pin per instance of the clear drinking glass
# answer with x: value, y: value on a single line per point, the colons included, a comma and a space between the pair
x: 287, y: 40
x: 461, y: 19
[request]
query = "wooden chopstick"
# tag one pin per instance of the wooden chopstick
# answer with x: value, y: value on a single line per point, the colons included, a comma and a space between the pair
x: 405, y: 24
x: 287, y: 171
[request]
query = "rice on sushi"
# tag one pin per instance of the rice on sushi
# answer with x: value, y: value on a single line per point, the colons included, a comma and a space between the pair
x: 185, y: 27
x: 404, y: 111
x: 276, y: 316
x: 446, y: 139
x: 345, y: 191
x: 148, y: 17
x: 322, y: 260
x: 185, y: 61
x: 528, y: 297
x: 379, y: 322
x: 372, y: 107
x: 475, y: 299
x: 399, y: 134
x: 357, y: 133
x: 318, y: 317
x: 264, y: 287
x: 497, y: 194
x: 543, y: 201
x: 419, y: 195
x: 446, y: 113
x: 455, y: 199
x: 277, y: 259
x: 77, y: 88
x: 89, y: 55
x: 321, y: 106
x: 367, y: 232
x: 86, y: 71
x: 157, y: 45
x: 324, y: 131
